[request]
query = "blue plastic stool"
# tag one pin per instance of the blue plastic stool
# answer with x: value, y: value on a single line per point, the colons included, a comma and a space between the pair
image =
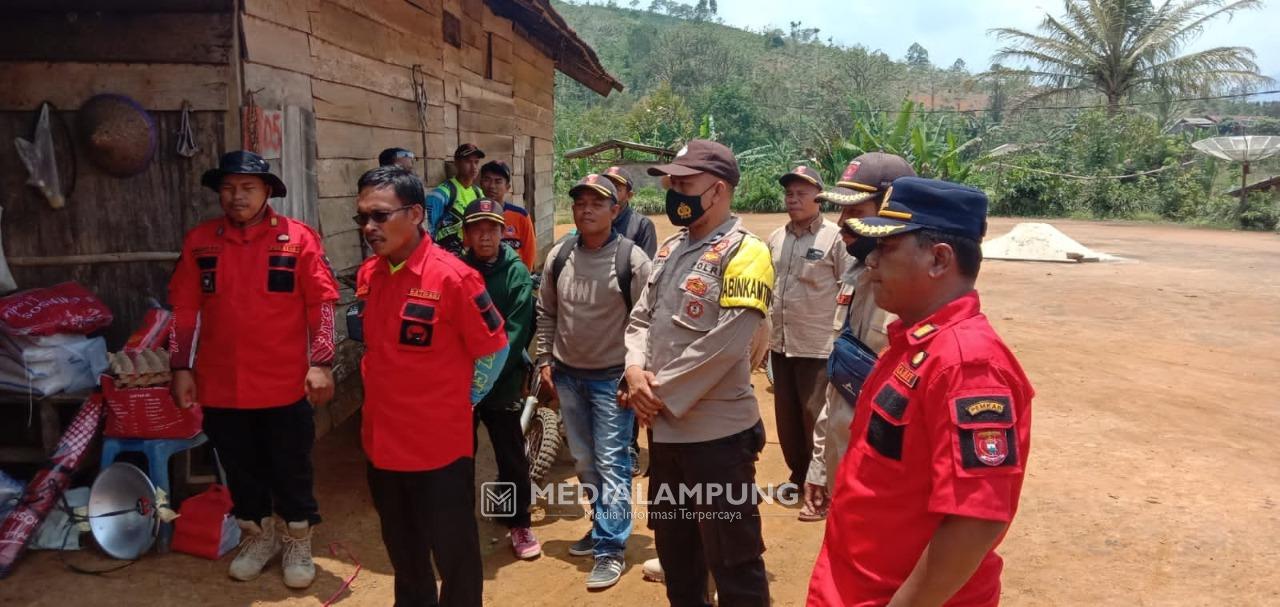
x: 157, y: 451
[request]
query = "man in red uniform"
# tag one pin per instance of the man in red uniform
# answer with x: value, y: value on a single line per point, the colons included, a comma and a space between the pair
x: 429, y: 328
x: 942, y: 427
x: 252, y: 298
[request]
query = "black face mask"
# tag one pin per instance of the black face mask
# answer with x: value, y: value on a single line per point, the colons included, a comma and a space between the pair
x: 683, y: 209
x: 861, y: 247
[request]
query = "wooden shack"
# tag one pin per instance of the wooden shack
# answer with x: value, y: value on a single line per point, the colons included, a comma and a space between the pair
x: 319, y: 87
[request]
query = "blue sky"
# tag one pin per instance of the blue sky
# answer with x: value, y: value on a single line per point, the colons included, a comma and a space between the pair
x: 952, y: 29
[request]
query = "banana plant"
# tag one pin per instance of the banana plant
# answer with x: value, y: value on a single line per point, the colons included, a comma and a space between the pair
x: 932, y: 144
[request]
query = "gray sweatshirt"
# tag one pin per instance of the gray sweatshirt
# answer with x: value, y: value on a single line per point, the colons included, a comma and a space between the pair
x: 582, y: 318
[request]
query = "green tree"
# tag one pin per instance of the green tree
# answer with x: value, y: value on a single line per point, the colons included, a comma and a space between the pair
x: 660, y: 118
x: 917, y: 56
x: 1120, y: 47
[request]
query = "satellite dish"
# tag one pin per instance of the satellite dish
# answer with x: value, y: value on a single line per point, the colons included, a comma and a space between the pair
x: 122, y: 511
x: 1243, y: 149
x: 1251, y: 148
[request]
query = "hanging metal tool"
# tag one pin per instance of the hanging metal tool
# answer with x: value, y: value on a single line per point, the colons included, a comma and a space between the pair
x: 186, y: 136
x: 42, y: 167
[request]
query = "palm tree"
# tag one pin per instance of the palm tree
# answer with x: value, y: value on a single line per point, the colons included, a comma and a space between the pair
x: 1120, y: 47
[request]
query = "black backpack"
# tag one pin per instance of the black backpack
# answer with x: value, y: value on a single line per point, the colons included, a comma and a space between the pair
x: 621, y: 264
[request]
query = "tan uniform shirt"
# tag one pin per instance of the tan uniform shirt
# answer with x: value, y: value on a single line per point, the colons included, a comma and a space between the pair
x: 809, y: 262
x: 693, y: 326
x: 870, y: 325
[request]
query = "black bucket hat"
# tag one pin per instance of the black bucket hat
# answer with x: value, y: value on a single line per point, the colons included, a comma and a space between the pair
x: 241, y: 162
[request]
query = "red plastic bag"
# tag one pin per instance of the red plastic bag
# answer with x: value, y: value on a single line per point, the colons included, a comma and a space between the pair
x: 44, y: 489
x: 201, y: 529
x: 63, y: 308
x: 153, y: 334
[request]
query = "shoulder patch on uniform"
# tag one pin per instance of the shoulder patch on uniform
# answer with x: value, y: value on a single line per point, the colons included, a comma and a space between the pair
x: 492, y: 319
x: 664, y: 252
x: 995, y: 409
x: 844, y: 299
x: 748, y: 279
x: 923, y: 331
x: 918, y: 359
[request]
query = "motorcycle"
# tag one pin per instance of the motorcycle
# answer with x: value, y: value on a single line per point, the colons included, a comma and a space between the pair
x: 543, y: 429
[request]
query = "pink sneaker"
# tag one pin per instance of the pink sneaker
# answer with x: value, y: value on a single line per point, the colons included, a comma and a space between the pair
x: 524, y: 544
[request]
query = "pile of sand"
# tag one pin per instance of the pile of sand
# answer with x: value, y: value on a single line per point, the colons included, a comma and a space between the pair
x: 1040, y: 242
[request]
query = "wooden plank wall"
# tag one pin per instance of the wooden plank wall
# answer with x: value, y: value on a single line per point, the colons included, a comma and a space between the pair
x: 160, y: 60
x: 356, y: 76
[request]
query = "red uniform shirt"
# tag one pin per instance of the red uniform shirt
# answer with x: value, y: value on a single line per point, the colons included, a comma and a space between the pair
x: 424, y: 326
x: 253, y: 309
x: 942, y: 427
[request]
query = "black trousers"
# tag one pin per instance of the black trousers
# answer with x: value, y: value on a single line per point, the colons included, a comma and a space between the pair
x: 799, y: 393
x: 719, y: 532
x: 430, y: 516
x: 513, y: 462
x: 267, y: 456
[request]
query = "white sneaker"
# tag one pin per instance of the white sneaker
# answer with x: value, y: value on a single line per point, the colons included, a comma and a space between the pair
x: 261, y: 543
x: 299, y: 568
x: 653, y: 571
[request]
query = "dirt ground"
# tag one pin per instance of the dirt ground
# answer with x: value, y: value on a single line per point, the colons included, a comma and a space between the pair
x: 1153, y: 477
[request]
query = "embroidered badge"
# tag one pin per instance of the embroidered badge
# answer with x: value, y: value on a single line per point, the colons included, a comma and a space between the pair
x: 844, y: 299
x: 204, y: 251
x: 282, y: 238
x: 990, y: 446
x: 720, y: 247
x: 923, y: 330
x: 362, y: 290
x: 511, y: 230
x: 664, y: 251
x: 918, y: 359
x: 905, y: 375
x: 710, y: 269
x: 696, y: 285
x: 286, y: 248
x: 984, y: 406
x: 710, y: 257
x: 275, y: 221
x: 993, y: 409
x: 694, y: 309
x: 850, y: 171
x: 424, y: 294
x: 684, y: 211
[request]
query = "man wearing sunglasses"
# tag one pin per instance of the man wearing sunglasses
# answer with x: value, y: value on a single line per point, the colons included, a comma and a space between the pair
x: 429, y: 327
x: 252, y: 342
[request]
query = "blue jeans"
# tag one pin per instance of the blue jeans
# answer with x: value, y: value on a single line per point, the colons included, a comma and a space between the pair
x: 599, y: 434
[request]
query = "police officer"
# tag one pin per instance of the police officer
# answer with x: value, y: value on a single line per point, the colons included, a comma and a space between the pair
x: 254, y: 295
x: 858, y: 193
x: 688, y: 376
x: 942, y: 426
x: 429, y: 328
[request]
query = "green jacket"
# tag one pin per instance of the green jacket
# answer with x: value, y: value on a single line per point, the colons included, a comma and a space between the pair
x: 511, y: 289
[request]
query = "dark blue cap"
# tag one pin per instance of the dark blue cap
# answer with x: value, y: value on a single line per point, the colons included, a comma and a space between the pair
x: 243, y: 162
x: 915, y: 203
